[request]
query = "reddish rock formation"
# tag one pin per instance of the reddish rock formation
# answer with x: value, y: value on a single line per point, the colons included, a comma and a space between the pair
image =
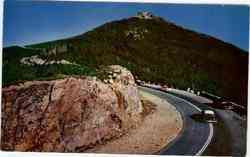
x: 68, y: 115
x: 122, y: 82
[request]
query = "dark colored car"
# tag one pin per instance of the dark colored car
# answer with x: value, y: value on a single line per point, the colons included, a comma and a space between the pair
x: 207, y: 116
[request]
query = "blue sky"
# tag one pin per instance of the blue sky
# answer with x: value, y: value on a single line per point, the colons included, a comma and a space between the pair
x: 33, y: 22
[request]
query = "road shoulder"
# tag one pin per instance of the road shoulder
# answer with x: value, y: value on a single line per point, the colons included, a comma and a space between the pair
x: 156, y: 131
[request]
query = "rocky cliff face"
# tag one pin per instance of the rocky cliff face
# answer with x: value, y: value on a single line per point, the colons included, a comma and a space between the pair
x: 68, y: 115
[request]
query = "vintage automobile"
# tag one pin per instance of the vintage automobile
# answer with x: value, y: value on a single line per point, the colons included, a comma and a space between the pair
x: 207, y: 116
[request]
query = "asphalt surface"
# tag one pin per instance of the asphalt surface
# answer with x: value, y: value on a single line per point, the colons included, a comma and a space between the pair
x: 229, y: 132
x: 237, y: 131
x: 194, y: 137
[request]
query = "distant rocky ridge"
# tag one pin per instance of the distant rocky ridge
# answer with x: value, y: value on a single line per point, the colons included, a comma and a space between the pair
x: 70, y: 114
x: 35, y: 60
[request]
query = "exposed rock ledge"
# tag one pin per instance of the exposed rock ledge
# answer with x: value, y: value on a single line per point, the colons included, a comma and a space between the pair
x: 71, y: 114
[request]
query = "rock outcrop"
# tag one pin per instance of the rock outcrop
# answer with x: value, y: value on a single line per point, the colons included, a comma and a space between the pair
x: 36, y: 60
x: 68, y: 115
x: 136, y: 33
x: 123, y: 83
x: 145, y: 15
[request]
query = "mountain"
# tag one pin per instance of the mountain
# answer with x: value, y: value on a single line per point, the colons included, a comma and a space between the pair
x: 152, y: 48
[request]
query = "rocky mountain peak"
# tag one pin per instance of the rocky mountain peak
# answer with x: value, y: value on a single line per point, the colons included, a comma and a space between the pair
x: 145, y: 15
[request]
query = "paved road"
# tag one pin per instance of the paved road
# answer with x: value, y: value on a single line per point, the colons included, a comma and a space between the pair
x: 195, y: 136
x: 229, y: 133
x: 237, y: 131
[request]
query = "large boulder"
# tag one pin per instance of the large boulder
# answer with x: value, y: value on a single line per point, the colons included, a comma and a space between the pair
x: 123, y: 83
x: 68, y: 115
